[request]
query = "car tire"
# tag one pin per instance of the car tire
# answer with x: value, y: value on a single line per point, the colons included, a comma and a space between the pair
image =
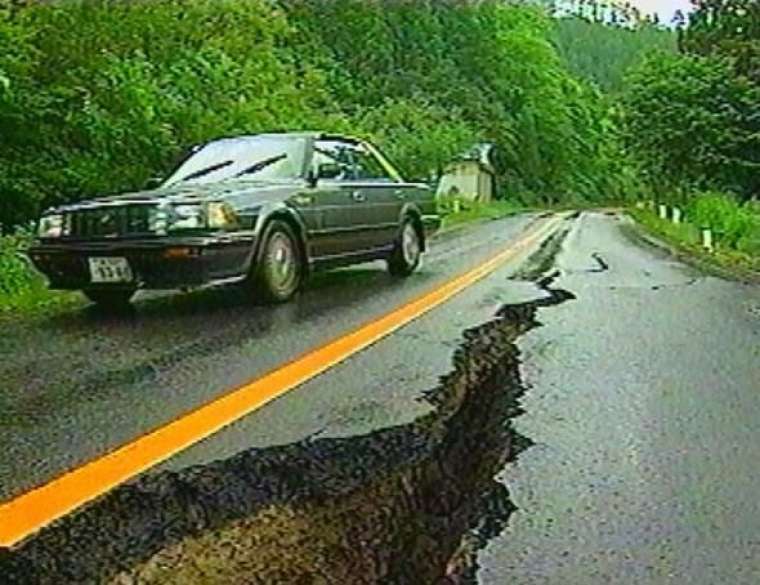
x: 279, y: 269
x: 407, y: 250
x: 110, y: 300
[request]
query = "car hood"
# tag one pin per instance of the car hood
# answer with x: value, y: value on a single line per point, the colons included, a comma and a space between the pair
x: 251, y: 191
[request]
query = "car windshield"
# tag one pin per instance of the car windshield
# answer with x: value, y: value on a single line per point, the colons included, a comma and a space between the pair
x: 260, y: 158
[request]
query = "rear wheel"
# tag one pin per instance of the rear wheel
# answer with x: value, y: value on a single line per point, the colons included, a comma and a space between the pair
x: 110, y: 299
x: 279, y: 270
x: 407, y: 250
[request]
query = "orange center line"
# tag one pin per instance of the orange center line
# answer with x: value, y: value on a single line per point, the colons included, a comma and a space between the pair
x: 30, y: 512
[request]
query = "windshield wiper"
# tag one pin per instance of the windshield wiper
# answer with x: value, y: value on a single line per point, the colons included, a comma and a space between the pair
x: 207, y: 170
x: 262, y: 164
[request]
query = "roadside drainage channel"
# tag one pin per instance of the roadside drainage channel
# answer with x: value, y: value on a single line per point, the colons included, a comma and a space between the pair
x: 406, y: 505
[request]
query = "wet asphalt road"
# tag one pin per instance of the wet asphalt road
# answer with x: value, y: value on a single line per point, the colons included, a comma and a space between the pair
x: 76, y: 386
x: 643, y: 397
x: 644, y: 403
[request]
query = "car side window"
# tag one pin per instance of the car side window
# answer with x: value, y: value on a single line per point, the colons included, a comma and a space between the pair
x: 367, y: 165
x: 333, y: 152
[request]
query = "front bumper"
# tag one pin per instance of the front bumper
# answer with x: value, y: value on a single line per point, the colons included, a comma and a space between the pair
x: 157, y: 263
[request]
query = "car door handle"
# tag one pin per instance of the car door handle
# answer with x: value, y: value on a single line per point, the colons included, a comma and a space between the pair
x: 400, y: 193
x: 358, y: 196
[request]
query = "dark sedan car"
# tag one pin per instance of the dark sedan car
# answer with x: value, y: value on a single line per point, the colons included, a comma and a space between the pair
x: 260, y: 210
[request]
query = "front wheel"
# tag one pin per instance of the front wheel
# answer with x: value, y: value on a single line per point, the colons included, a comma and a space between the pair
x: 407, y: 250
x: 110, y: 300
x: 279, y: 270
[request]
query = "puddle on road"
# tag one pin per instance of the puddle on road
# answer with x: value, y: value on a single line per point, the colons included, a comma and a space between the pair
x: 406, y: 505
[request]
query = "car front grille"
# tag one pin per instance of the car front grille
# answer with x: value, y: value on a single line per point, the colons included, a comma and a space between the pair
x: 109, y: 221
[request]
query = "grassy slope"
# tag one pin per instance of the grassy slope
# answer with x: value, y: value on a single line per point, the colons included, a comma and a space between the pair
x: 23, y: 291
x: 686, y: 241
x: 37, y: 301
x: 474, y: 212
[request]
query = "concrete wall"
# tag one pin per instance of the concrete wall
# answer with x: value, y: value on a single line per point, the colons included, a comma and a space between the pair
x: 467, y: 180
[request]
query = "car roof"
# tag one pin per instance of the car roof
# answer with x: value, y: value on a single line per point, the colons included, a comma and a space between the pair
x: 315, y: 135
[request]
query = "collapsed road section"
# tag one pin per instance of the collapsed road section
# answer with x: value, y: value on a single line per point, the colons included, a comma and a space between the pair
x: 408, y: 504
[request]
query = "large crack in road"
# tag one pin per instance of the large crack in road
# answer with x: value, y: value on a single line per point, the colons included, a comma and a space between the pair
x: 405, y: 505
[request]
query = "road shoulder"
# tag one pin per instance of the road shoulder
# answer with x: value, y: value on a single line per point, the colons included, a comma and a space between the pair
x: 719, y: 265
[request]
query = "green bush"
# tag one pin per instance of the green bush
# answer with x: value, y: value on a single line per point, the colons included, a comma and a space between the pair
x: 16, y: 276
x: 693, y: 124
x: 735, y: 225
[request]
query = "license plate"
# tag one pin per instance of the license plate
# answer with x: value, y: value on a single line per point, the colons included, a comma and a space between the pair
x: 109, y: 269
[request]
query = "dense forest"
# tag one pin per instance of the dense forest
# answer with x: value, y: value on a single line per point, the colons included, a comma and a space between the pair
x: 603, y: 53
x: 97, y: 96
x: 587, y: 101
x: 692, y: 120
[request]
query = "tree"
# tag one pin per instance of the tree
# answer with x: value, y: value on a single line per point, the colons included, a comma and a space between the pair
x: 602, y: 53
x: 728, y: 28
x: 694, y: 124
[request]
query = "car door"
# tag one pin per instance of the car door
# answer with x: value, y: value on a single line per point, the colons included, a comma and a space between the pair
x: 327, y: 207
x: 378, y: 198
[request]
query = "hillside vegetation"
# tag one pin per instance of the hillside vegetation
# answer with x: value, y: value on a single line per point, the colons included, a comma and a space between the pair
x: 692, y: 121
x: 97, y: 96
x: 603, y: 54
x: 688, y: 101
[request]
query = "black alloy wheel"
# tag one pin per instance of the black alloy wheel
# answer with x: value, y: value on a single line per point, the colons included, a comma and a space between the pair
x: 407, y: 250
x: 279, y: 270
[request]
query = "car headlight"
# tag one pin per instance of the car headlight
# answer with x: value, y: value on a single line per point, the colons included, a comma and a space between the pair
x: 191, y: 216
x: 220, y: 215
x: 51, y: 226
x: 186, y: 217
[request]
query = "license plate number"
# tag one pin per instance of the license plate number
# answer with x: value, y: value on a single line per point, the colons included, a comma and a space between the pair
x: 108, y: 269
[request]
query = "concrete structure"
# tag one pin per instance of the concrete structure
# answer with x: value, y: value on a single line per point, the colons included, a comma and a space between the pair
x: 471, y: 176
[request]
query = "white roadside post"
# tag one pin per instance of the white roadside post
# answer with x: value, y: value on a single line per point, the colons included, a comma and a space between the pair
x: 663, y: 212
x: 676, y: 215
x: 707, y: 239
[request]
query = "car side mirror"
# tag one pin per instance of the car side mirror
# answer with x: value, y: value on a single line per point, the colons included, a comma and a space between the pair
x: 154, y: 182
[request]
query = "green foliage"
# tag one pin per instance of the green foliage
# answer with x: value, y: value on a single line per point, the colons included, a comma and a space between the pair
x: 420, y: 135
x: 687, y: 237
x: 735, y: 225
x: 469, y: 211
x: 119, y: 90
x: 22, y: 289
x: 96, y: 96
x: 602, y: 54
x: 693, y: 120
x: 15, y: 276
x: 728, y: 28
x: 488, y: 65
x: 694, y: 124
x: 682, y: 233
